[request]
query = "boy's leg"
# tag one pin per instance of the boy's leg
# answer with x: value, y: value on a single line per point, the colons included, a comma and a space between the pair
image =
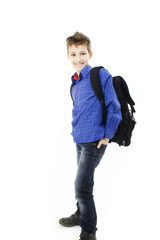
x: 89, y: 158
x: 74, y: 219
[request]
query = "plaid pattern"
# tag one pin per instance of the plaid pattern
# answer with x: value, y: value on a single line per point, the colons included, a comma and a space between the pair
x: 87, y: 113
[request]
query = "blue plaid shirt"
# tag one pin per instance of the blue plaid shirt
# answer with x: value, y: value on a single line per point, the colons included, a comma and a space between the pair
x: 87, y: 112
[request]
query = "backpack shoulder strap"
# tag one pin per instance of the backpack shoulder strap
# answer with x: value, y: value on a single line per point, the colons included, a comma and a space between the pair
x: 72, y: 85
x: 96, y: 86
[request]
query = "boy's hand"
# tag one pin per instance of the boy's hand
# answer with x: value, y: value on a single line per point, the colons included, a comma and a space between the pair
x: 104, y: 141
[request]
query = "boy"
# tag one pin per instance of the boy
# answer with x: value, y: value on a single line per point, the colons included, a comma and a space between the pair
x: 89, y: 133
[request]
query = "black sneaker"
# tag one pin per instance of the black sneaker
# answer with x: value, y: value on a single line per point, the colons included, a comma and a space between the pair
x: 73, y: 220
x: 87, y: 236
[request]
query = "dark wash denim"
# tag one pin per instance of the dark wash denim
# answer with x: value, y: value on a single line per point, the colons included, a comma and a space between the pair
x: 88, y: 158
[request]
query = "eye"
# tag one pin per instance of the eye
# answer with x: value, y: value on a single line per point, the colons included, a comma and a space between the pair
x: 83, y: 53
x: 73, y: 55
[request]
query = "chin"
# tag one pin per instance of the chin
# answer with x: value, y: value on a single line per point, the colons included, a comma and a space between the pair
x: 79, y: 69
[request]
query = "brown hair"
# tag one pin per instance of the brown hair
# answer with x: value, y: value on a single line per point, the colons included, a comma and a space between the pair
x: 79, y: 39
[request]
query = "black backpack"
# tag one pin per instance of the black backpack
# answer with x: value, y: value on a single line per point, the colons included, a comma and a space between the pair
x: 124, y: 132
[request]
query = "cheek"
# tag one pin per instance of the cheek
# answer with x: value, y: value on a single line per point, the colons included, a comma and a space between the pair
x: 85, y: 58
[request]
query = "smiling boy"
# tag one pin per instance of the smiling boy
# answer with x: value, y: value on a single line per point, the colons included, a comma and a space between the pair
x: 89, y: 133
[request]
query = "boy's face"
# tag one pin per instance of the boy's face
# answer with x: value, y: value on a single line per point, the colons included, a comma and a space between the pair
x: 79, y: 56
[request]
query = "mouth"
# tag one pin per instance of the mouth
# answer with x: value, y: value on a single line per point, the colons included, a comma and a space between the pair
x: 79, y: 64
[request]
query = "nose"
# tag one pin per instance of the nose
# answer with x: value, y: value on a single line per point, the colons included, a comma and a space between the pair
x: 78, y: 58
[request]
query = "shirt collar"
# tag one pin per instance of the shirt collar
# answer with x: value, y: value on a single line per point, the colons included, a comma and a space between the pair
x: 83, y: 73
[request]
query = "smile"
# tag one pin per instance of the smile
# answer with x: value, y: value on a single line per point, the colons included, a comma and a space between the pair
x: 79, y: 64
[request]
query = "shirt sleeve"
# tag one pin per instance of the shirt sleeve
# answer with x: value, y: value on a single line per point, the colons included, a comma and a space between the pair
x: 113, y: 107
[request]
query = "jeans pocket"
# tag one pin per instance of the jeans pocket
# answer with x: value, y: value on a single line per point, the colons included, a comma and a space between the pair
x: 102, y: 150
x: 95, y: 143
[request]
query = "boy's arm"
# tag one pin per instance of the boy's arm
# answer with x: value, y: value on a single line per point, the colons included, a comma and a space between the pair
x: 114, y: 116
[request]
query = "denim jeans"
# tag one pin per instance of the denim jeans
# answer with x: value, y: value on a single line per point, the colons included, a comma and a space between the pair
x: 88, y: 158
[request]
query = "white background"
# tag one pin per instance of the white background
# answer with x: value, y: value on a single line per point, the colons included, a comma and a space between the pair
x: 37, y: 153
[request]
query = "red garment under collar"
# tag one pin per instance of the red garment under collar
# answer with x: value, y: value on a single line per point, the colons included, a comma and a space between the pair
x: 75, y: 76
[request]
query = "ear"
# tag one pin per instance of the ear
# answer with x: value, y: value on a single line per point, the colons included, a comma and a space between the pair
x: 90, y: 55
